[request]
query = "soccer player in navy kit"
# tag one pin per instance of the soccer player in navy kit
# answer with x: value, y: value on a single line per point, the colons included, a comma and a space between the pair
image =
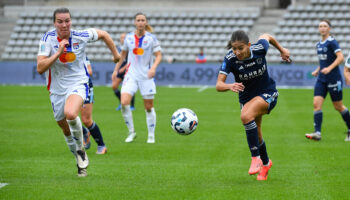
x: 329, y: 80
x: 257, y: 91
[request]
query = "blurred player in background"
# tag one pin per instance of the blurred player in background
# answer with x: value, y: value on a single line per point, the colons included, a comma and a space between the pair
x: 257, y: 91
x: 120, y: 76
x: 329, y: 80
x: 139, y: 45
x: 86, y: 117
x: 61, y: 56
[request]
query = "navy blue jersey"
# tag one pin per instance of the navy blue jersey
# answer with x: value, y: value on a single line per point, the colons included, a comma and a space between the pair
x: 252, y: 72
x: 326, y: 52
x: 124, y: 61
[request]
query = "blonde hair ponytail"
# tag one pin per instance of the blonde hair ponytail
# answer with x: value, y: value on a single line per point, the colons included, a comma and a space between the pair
x: 149, y: 28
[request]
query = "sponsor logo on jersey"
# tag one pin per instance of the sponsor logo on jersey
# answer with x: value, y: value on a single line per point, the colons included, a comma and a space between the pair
x: 42, y: 48
x: 252, y: 74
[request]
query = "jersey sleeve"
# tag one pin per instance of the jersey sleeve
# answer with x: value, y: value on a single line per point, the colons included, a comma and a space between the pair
x: 224, y: 67
x: 335, y: 46
x: 44, y: 46
x: 262, y: 46
x: 156, y: 45
x: 347, y: 61
x: 88, y: 35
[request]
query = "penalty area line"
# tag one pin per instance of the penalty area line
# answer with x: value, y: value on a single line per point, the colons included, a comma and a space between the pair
x: 3, y: 185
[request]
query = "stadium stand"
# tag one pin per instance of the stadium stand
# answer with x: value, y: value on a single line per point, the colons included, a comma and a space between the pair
x: 298, y: 30
x: 181, y: 32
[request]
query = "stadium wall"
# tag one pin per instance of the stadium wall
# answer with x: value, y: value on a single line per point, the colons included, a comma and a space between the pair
x: 177, y: 74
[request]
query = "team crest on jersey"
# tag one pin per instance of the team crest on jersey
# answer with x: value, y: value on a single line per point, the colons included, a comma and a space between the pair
x: 241, y: 67
x: 325, y: 49
x: 76, y: 45
x: 259, y: 60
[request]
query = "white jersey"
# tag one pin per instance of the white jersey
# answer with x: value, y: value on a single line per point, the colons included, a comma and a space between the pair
x: 70, y: 68
x: 140, y: 54
x: 347, y: 61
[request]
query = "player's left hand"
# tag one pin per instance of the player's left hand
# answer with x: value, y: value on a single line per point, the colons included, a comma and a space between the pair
x: 325, y: 70
x: 285, y: 54
x: 151, y: 73
x: 116, y: 58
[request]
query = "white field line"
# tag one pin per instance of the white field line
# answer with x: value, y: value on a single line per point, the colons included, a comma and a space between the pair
x: 3, y: 184
x: 201, y: 89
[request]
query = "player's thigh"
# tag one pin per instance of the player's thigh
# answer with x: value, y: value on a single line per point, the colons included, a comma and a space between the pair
x: 57, y: 103
x: 129, y: 86
x: 147, y: 88
x: 335, y: 90
x: 75, y: 97
x: 254, y: 108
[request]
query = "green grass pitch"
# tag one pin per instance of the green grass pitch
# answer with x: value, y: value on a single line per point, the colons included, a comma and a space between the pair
x: 212, y: 163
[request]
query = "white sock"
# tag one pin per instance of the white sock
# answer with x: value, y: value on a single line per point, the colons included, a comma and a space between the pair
x: 71, y: 144
x: 77, y: 131
x: 151, y: 121
x: 127, y: 115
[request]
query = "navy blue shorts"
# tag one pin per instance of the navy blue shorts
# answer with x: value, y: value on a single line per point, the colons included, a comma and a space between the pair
x: 335, y: 89
x: 90, y: 96
x: 121, y: 75
x: 270, y: 98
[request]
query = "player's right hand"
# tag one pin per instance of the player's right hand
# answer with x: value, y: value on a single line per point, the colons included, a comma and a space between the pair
x: 62, y: 46
x: 237, y: 87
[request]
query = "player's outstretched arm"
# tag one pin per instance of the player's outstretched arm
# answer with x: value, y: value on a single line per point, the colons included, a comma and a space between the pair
x: 110, y: 44
x: 221, y: 86
x: 284, y: 52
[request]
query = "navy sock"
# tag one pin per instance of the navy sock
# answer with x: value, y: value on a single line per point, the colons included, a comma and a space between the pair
x: 133, y: 101
x: 251, y: 130
x: 117, y: 93
x: 85, y: 130
x: 318, y: 116
x: 263, y: 153
x: 346, y: 117
x: 96, y: 134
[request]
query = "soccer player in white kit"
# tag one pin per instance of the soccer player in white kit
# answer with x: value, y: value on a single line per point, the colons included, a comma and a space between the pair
x: 61, y: 56
x: 140, y: 46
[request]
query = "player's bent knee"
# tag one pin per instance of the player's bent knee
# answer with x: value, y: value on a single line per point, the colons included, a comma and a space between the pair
x: 246, y: 118
x: 70, y: 115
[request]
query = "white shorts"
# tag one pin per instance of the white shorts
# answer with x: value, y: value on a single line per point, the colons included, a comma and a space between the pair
x: 58, y: 101
x: 147, y: 87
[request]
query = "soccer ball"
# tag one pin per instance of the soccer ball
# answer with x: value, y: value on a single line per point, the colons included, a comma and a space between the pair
x: 184, y: 121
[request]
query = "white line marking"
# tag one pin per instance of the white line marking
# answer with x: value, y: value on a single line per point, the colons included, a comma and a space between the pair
x: 202, y: 89
x: 3, y: 184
